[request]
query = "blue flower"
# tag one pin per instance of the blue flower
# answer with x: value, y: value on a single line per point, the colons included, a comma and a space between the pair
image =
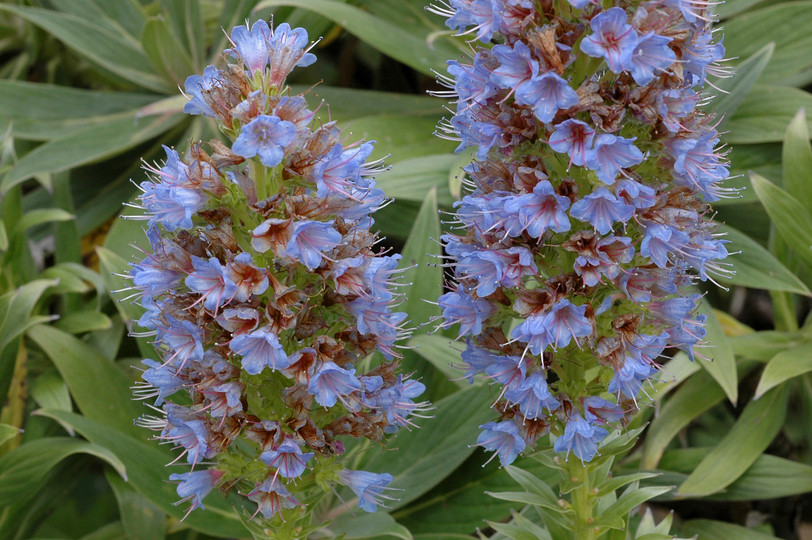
x: 503, y: 438
x: 475, y: 360
x: 194, y: 486
x: 541, y: 210
x: 195, y: 87
x: 613, y: 39
x: 259, y: 349
x: 331, y: 383
x: 485, y: 267
x: 517, y: 66
x: 602, y: 209
x: 481, y: 14
x: 459, y: 307
x: 546, y: 94
x: 287, y: 458
x: 533, y: 331
x: 271, y: 497
x: 265, y: 136
x: 163, y: 381
x: 210, y: 280
x: 309, y: 240
x: 252, y: 45
x: 171, y: 206
x: 566, y: 321
x: 288, y: 48
x: 367, y: 486
x: 573, y: 137
x: 533, y: 396
x: 611, y: 154
x: 652, y: 54
x: 580, y: 437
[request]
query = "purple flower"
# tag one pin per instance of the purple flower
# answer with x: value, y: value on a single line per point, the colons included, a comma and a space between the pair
x: 503, y: 438
x: 546, y: 94
x: 651, y: 54
x: 184, y: 338
x: 171, y: 206
x: 331, y: 383
x: 598, y: 410
x: 287, y: 458
x: 259, y: 349
x: 309, y: 240
x: 629, y: 378
x: 251, y: 45
x: 265, y: 136
x: 367, y: 486
x: 660, y: 241
x: 340, y: 170
x: 611, y: 154
x: 613, y: 39
x: 573, y: 137
x: 602, y: 209
x: 246, y: 277
x: 580, y: 437
x: 187, y: 429
x: 377, y: 276
x: 459, y: 307
x: 533, y: 331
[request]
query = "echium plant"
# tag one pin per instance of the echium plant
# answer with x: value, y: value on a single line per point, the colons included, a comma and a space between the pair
x: 266, y: 295
x: 588, y: 220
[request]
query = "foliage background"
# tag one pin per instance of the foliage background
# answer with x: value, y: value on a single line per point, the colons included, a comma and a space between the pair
x: 90, y: 87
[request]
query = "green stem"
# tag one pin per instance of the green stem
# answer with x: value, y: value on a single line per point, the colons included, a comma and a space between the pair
x: 582, y: 500
x: 783, y: 311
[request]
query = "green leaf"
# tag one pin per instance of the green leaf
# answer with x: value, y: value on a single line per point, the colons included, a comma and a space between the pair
x: 419, y: 51
x: 422, y: 250
x: 39, y: 216
x: 101, y: 390
x: 165, y: 52
x: 613, y: 484
x: 23, y: 470
x: 3, y: 237
x: 16, y: 307
x: 752, y: 433
x: 347, y: 104
x: 145, y: 462
x: 427, y: 455
x: 706, y: 529
x: 520, y: 528
x: 79, y: 322
x: 140, y: 518
x: 89, y: 145
x: 762, y: 346
x: 50, y: 391
x: 738, y: 86
x: 532, y: 484
x: 7, y: 433
x: 756, y: 267
x: 695, y: 397
x: 440, y: 353
x: 98, y: 44
x: 791, y: 219
x: 764, y: 114
x: 363, y: 525
x: 770, y: 477
x: 26, y: 101
x: 749, y: 32
x: 797, y: 160
x: 631, y: 499
x: 188, y: 28
x: 720, y: 362
x: 411, y: 179
x: 523, y: 497
x: 784, y: 366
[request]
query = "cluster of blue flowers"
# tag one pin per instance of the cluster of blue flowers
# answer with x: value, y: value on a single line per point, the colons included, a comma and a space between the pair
x: 586, y: 224
x: 264, y: 292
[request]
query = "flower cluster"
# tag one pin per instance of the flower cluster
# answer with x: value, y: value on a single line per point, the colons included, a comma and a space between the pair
x: 587, y: 222
x: 265, y: 293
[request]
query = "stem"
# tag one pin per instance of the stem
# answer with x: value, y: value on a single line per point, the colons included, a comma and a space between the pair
x: 583, y: 528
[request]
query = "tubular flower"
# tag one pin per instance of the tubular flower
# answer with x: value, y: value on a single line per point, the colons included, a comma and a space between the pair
x: 593, y: 172
x: 264, y: 292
